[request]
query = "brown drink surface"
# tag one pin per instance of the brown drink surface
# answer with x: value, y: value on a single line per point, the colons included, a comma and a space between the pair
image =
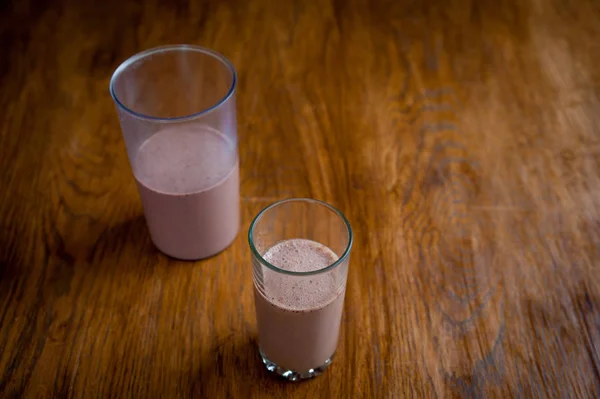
x: 299, y: 317
x: 188, y: 180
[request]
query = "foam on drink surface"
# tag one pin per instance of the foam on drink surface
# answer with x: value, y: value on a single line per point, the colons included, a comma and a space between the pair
x: 184, y: 160
x: 295, y: 292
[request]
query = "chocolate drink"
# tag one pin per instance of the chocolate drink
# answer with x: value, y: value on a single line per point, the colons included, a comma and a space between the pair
x: 299, y: 317
x: 188, y: 180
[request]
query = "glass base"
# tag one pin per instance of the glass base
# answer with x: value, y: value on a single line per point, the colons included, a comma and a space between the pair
x: 292, y: 375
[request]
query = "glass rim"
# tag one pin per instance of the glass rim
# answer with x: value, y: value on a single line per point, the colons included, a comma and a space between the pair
x: 173, y: 48
x: 271, y: 266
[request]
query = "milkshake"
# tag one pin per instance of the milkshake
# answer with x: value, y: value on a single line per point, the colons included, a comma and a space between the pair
x: 188, y: 180
x: 299, y: 316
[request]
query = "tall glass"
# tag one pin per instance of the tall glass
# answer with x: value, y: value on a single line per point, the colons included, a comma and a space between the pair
x: 176, y: 106
x: 300, y: 253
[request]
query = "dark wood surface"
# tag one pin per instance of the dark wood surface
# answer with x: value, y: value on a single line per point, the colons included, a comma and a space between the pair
x: 461, y: 139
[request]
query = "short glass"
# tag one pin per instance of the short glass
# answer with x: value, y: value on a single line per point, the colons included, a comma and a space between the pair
x: 300, y: 253
x: 176, y: 106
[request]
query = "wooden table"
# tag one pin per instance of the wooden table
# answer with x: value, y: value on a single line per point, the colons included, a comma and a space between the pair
x: 461, y: 139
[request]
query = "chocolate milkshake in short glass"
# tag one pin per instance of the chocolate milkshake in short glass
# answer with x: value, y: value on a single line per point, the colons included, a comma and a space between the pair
x: 176, y: 105
x: 300, y: 253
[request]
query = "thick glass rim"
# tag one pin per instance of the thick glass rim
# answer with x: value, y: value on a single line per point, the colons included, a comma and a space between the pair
x: 262, y: 260
x: 173, y: 48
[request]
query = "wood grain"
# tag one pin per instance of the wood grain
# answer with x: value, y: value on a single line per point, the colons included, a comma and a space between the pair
x: 461, y: 139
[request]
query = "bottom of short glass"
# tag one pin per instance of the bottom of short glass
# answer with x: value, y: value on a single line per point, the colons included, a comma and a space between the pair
x: 293, y: 375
